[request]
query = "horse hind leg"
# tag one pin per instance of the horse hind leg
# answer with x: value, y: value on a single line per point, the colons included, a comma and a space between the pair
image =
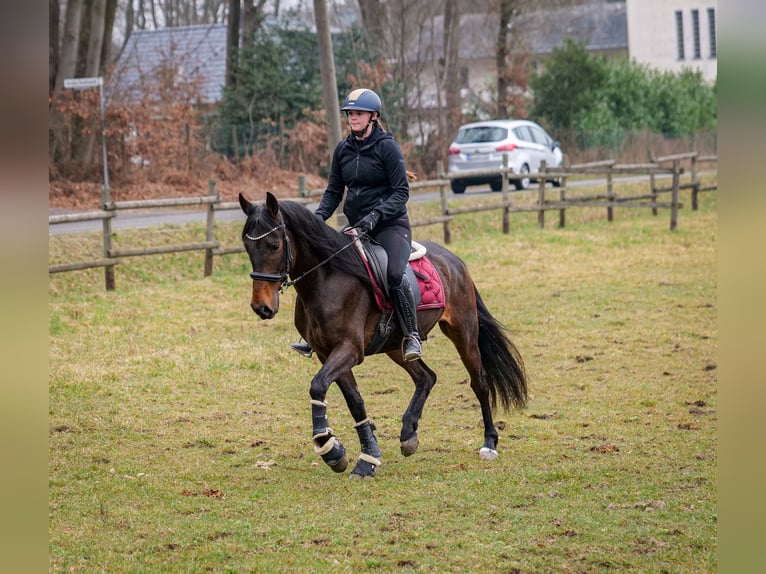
x: 424, y: 379
x: 470, y: 355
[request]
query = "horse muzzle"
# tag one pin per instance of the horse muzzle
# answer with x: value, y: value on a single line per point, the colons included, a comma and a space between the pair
x: 262, y: 310
x: 265, y: 300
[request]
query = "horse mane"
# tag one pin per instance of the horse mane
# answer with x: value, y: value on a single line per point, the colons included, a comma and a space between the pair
x: 323, y: 240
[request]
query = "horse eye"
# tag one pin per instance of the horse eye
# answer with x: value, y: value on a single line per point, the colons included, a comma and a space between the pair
x: 274, y: 246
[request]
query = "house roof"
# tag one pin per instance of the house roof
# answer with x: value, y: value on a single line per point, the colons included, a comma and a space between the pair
x: 599, y: 25
x: 193, y: 52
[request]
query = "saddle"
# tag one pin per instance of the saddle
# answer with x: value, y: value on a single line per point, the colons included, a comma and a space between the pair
x: 424, y: 279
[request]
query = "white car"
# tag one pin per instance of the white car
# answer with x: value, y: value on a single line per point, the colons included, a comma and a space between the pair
x: 481, y: 145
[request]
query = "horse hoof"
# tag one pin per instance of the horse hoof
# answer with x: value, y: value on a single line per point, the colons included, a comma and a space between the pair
x: 409, y: 446
x: 341, y: 465
x: 363, y: 469
x: 487, y: 453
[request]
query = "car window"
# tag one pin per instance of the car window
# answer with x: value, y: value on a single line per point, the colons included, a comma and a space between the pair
x: 522, y: 132
x: 539, y: 136
x: 481, y: 134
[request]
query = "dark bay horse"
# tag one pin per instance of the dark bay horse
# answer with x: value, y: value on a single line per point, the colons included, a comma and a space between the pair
x: 336, y: 313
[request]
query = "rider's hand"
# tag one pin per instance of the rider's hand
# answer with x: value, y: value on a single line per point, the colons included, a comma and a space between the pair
x: 368, y: 222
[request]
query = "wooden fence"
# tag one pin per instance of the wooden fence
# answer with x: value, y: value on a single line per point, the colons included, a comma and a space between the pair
x: 672, y: 166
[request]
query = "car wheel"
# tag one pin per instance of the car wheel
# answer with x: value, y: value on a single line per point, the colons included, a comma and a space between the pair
x: 496, y: 185
x: 556, y: 182
x: 458, y: 187
x: 522, y: 182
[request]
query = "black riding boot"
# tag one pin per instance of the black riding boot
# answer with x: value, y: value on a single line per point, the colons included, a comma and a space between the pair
x: 404, y: 303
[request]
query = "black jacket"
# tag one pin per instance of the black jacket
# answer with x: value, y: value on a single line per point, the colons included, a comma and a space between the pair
x: 373, y: 170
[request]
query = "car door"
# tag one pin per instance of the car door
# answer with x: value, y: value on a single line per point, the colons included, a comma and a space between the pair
x: 548, y: 152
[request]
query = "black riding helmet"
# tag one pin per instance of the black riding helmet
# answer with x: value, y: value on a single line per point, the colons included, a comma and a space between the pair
x: 363, y: 100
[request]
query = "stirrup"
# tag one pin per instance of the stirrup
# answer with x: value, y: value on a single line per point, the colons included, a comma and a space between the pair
x: 411, y: 348
x: 302, y: 348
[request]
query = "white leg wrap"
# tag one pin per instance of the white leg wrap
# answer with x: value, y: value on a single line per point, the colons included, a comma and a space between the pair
x: 326, y: 447
x: 360, y: 423
x: 370, y: 459
x: 318, y: 403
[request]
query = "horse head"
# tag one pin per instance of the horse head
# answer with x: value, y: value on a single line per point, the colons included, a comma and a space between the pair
x: 268, y: 247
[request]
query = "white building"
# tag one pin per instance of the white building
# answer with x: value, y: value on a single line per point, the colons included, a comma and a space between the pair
x: 671, y: 35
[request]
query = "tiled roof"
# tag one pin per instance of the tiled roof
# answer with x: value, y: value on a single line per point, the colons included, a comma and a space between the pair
x: 600, y: 25
x: 193, y: 52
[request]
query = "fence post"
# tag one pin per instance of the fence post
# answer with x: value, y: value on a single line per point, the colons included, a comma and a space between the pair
x: 541, y: 196
x: 674, y: 194
x: 563, y: 194
x: 695, y: 183
x: 652, y: 184
x: 609, y: 194
x: 301, y: 185
x: 506, y: 198
x: 443, y: 201
x: 210, y: 229
x: 107, y: 233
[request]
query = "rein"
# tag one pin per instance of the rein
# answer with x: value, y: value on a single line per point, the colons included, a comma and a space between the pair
x: 282, y: 277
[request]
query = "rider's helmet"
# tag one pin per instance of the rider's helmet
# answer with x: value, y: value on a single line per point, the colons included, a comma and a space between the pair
x: 362, y: 99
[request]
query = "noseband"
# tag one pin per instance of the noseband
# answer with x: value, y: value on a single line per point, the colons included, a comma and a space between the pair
x: 287, y: 257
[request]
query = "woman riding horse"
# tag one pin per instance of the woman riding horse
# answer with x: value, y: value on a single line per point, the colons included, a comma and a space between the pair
x: 370, y: 163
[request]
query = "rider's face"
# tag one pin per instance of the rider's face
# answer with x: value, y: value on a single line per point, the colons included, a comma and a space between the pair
x: 358, y: 119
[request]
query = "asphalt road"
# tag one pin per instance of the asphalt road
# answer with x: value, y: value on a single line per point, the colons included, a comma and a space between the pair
x: 156, y: 218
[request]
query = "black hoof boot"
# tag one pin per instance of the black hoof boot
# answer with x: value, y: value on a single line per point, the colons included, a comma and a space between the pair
x: 332, y: 451
x: 326, y: 445
x: 365, y: 467
x: 369, y: 459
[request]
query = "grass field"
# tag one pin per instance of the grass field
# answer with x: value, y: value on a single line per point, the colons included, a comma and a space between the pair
x: 180, y: 423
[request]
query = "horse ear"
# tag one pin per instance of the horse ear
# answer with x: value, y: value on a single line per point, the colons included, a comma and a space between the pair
x: 272, y: 204
x: 246, y: 206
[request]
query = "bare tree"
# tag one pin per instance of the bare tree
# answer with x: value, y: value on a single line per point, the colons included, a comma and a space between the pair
x: 232, y: 42
x: 372, y: 21
x: 327, y: 69
x: 450, y: 82
x: 54, y: 17
x: 69, y: 43
x: 95, y: 37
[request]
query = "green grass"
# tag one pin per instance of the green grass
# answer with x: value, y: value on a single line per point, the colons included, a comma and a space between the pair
x: 180, y: 423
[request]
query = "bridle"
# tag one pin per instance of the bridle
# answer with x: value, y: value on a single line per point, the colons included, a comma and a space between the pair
x: 287, y: 258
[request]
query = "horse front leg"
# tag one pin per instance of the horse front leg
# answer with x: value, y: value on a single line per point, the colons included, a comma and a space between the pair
x: 336, y: 366
x: 370, y: 456
x: 326, y: 444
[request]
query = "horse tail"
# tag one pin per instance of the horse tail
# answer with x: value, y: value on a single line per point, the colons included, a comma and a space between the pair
x: 501, y: 360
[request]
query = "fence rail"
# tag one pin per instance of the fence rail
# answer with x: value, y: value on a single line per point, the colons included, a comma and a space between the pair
x: 671, y: 165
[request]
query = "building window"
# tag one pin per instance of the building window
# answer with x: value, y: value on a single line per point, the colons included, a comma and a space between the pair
x: 696, y: 34
x: 711, y: 32
x: 680, y: 34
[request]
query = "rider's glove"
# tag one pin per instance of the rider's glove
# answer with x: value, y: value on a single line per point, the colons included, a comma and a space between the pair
x: 368, y: 222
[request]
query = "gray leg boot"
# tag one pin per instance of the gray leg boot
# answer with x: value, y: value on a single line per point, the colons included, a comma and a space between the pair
x: 404, y: 303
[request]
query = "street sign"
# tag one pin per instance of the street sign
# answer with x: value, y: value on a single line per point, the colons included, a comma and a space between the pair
x: 83, y: 83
